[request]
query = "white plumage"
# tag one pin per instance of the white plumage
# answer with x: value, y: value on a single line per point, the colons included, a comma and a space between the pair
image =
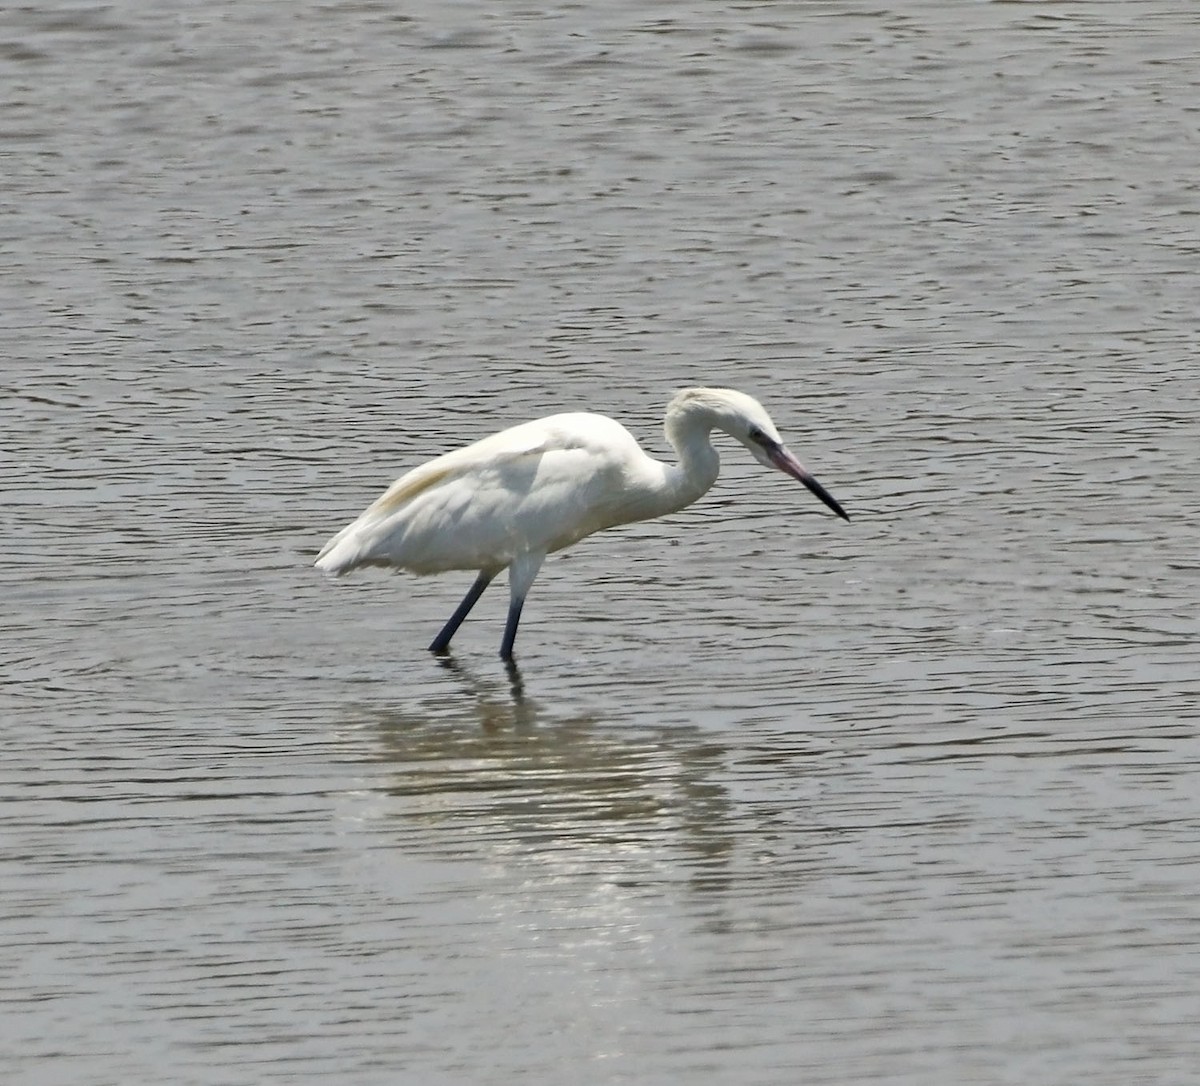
x: 509, y: 500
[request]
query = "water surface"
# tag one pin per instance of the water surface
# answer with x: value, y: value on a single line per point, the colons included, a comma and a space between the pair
x: 772, y: 798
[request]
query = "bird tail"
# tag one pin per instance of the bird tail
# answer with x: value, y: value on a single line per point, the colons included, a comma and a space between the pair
x: 357, y: 544
x: 340, y: 554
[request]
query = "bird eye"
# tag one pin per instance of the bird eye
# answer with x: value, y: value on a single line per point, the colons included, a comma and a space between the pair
x: 757, y: 435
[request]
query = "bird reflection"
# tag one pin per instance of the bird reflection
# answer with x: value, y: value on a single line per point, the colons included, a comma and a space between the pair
x: 479, y: 764
x: 516, y: 684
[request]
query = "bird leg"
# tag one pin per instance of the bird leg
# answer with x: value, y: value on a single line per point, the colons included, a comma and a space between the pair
x: 442, y: 641
x: 510, y: 628
x: 521, y: 572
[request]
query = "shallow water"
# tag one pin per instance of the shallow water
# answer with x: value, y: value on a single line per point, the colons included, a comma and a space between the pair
x: 771, y: 798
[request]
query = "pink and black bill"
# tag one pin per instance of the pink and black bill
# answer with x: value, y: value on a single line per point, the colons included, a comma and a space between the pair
x: 789, y: 465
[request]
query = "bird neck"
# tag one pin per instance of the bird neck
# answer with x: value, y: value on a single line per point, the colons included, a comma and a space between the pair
x: 699, y: 464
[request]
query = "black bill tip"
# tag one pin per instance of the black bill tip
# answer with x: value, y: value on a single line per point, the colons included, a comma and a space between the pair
x: 789, y: 465
x: 824, y: 495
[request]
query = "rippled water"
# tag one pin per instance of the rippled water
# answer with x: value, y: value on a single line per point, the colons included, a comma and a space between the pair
x: 771, y: 798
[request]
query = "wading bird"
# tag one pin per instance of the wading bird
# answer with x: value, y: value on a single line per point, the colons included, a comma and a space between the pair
x: 509, y: 500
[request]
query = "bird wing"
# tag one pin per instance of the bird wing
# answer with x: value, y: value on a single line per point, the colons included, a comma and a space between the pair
x: 490, y: 454
x: 484, y: 460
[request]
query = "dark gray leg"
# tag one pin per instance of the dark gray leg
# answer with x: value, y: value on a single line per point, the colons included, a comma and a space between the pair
x: 442, y: 641
x: 510, y: 628
x: 521, y: 572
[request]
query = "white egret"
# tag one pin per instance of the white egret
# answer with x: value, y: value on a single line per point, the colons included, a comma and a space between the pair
x: 509, y: 500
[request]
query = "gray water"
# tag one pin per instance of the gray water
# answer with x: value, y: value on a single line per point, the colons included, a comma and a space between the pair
x: 771, y: 798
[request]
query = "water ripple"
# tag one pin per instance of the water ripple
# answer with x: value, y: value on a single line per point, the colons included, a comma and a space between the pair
x: 771, y: 797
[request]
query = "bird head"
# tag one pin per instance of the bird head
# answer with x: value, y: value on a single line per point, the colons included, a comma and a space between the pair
x: 744, y: 418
